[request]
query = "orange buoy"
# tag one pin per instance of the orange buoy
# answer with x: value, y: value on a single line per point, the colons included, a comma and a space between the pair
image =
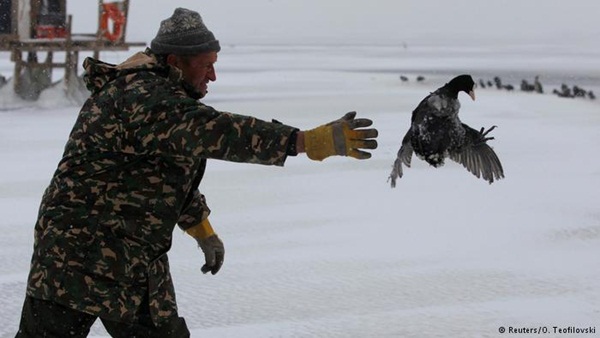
x: 111, y: 12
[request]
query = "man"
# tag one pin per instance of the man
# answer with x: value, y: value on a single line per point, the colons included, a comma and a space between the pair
x: 130, y: 172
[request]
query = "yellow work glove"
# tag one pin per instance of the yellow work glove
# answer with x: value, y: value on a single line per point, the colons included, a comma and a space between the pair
x: 341, y: 137
x: 210, y: 244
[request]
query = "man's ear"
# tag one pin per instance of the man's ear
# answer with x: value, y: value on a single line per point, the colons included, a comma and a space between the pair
x: 172, y: 60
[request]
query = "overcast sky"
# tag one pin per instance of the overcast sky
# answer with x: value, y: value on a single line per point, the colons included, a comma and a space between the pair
x: 370, y: 21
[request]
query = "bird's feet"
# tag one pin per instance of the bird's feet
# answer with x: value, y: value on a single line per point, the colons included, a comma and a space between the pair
x: 483, y: 134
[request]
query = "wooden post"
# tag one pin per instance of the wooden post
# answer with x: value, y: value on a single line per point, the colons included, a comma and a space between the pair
x: 17, y: 57
x: 36, y: 5
x: 69, y: 67
x: 126, y: 15
x: 49, y: 58
x: 98, y: 31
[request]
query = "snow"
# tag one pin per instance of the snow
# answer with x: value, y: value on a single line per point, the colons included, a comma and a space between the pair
x: 329, y: 249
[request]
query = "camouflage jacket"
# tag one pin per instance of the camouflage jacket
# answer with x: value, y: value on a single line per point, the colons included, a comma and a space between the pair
x: 130, y: 173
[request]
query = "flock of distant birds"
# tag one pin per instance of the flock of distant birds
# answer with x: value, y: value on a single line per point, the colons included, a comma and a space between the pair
x: 535, y: 87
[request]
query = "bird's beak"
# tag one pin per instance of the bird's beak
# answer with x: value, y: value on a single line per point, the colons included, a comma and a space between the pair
x: 472, y: 94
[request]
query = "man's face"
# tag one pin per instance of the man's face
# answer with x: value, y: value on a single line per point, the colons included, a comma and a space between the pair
x: 198, y: 70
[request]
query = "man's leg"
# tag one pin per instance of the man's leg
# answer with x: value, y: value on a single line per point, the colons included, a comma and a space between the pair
x: 173, y: 328
x: 42, y: 318
x: 144, y: 327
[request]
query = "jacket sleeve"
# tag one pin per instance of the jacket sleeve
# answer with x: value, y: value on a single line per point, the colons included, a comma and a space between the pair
x: 195, y: 212
x: 177, y: 125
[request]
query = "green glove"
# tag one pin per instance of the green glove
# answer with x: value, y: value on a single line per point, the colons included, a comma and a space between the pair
x: 341, y: 137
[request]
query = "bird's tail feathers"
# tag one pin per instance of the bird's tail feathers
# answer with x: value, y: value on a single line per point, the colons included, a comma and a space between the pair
x: 396, y: 172
x: 397, y: 168
x: 404, y: 156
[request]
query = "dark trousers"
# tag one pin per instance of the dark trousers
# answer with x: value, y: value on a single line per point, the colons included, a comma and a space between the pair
x: 42, y: 318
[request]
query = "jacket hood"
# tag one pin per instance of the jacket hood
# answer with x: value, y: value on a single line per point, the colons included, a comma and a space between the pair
x: 99, y: 73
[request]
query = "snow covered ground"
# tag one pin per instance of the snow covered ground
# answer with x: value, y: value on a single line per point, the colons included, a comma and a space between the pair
x: 329, y: 249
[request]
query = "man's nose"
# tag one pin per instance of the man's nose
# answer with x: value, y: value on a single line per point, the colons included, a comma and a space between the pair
x: 212, y: 74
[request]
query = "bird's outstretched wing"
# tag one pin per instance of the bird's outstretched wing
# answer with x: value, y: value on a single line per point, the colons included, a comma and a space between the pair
x: 478, y: 157
x: 404, y: 156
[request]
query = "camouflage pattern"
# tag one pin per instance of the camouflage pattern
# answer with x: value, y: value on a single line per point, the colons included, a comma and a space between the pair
x: 130, y: 173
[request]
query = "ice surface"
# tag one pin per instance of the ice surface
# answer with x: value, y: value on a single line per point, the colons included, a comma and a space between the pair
x: 328, y: 249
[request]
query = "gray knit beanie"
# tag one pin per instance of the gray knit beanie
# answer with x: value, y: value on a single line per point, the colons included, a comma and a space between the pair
x: 184, y: 33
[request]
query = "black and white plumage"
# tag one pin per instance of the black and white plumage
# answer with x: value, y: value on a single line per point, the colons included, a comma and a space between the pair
x: 436, y: 133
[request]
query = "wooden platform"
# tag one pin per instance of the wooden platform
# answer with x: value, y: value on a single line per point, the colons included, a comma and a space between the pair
x: 70, y: 46
x: 24, y: 52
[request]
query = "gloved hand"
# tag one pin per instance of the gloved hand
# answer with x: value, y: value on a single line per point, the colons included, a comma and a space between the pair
x: 341, y: 137
x: 211, y: 245
x: 214, y: 253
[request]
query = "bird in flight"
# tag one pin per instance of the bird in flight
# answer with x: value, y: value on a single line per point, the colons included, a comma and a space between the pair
x: 436, y: 133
